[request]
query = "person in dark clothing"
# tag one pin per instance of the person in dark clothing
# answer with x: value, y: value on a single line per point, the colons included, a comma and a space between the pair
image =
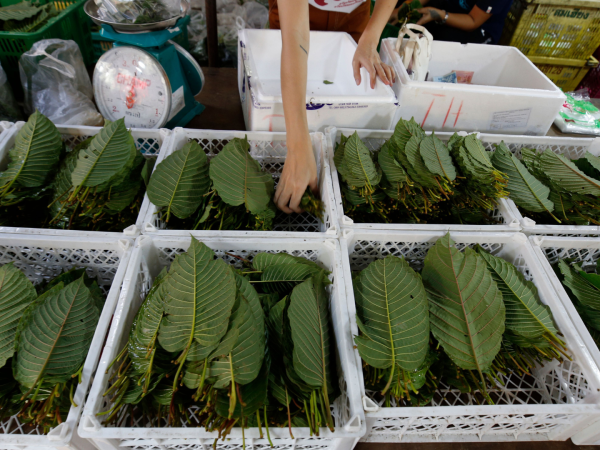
x: 466, y: 21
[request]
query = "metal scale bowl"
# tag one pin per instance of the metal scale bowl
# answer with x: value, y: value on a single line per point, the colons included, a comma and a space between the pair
x: 146, y: 78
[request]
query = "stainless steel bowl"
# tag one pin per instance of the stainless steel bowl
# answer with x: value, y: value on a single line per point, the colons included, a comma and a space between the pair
x: 91, y: 9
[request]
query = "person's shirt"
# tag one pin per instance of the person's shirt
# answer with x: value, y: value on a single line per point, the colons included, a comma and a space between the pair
x: 497, y: 8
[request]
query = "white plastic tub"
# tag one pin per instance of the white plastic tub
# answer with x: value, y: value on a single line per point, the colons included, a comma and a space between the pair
x: 42, y: 258
x: 342, y: 103
x: 270, y: 150
x: 508, y: 94
x: 149, y: 142
x: 150, y: 255
x: 374, y: 139
x: 559, y: 400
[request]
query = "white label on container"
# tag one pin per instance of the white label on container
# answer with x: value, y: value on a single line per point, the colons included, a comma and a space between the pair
x: 505, y: 120
x: 177, y: 102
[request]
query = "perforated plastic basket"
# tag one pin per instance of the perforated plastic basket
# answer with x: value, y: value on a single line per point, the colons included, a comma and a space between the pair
x: 42, y: 258
x: 586, y: 252
x: 559, y: 400
x: 149, y: 142
x: 270, y: 150
x: 374, y: 139
x: 150, y: 255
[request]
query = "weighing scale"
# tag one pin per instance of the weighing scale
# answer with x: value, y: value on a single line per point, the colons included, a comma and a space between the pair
x: 146, y: 78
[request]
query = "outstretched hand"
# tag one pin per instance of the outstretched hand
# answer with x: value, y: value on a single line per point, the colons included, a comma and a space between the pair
x: 430, y: 14
x: 366, y: 56
x: 299, y: 172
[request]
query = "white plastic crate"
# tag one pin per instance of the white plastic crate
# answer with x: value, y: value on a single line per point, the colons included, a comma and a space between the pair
x: 340, y: 103
x: 150, y: 255
x: 42, y: 258
x: 270, y: 150
x: 508, y: 94
x: 586, y: 252
x: 559, y: 400
x: 149, y: 142
x: 374, y: 139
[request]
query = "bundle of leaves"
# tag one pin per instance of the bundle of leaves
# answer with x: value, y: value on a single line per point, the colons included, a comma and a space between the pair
x: 26, y: 17
x: 552, y: 188
x: 583, y: 289
x: 237, y: 347
x: 408, y: 12
x: 231, y: 192
x: 417, y: 178
x: 469, y: 320
x: 96, y: 186
x: 46, y: 334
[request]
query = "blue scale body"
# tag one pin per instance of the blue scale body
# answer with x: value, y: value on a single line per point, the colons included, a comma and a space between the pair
x: 180, y: 71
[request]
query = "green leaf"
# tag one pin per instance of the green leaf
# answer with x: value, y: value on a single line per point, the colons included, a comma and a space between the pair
x: 179, y: 182
x: 587, y: 293
x: 525, y: 190
x: 392, y: 315
x: 477, y: 150
x: 147, y: 170
x: 466, y: 310
x: 566, y: 174
x: 250, y: 294
x: 404, y: 130
x: 16, y: 294
x: 254, y: 395
x: 282, y: 278
x: 19, y: 11
x: 111, y: 150
x: 436, y: 157
x: 238, y: 178
x: 416, y: 168
x: 357, y: 168
x: 392, y: 169
x: 37, y: 150
x: 123, y: 194
x: 55, y: 338
x: 263, y: 260
x: 526, y: 315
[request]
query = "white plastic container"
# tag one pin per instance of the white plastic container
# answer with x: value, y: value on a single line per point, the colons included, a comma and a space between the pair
x: 508, y: 94
x: 341, y: 103
x: 374, y: 139
x: 150, y: 255
x: 586, y: 252
x: 560, y: 399
x: 270, y: 150
x: 149, y: 142
x: 42, y: 258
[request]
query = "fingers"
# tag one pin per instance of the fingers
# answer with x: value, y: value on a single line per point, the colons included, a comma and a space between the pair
x: 356, y: 69
x: 389, y: 72
x: 295, y: 201
x: 373, y: 74
x: 314, y: 186
x: 383, y: 74
x: 282, y: 198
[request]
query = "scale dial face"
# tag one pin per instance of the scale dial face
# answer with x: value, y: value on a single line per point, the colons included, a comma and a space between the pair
x: 131, y: 83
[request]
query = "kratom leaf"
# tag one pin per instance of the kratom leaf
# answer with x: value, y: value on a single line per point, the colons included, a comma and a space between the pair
x: 466, y: 311
x: 19, y: 11
x: 566, y: 174
x: 37, y: 150
x: 436, y: 157
x: 254, y: 395
x: 250, y: 294
x: 477, y: 150
x: 526, y: 315
x: 593, y: 160
x: 392, y: 315
x: 179, y: 182
x: 238, y: 178
x: 525, y: 190
x: 200, y: 295
x: 55, y: 339
x: 357, y: 167
x: 123, y: 194
x: 392, y: 169
x: 16, y: 294
x: 263, y: 260
x: 283, y: 277
x: 587, y: 293
x: 62, y: 186
x: 110, y: 152
x: 404, y: 130
x: 416, y: 167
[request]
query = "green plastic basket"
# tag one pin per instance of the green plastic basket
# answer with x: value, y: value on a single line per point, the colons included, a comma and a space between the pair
x: 71, y: 24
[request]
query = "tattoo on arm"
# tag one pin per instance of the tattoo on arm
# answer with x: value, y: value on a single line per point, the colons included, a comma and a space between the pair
x: 435, y: 15
x: 304, y: 50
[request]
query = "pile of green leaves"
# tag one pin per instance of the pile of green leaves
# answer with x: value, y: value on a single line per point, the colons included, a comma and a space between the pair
x: 231, y: 192
x: 97, y: 186
x: 26, y: 17
x: 469, y: 320
x: 45, y: 337
x: 550, y: 187
x: 240, y: 347
x: 583, y: 289
x: 408, y: 12
x: 415, y: 178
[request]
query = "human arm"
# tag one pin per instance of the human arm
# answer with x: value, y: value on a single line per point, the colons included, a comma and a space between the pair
x: 366, y: 52
x: 466, y: 22
x: 300, y: 168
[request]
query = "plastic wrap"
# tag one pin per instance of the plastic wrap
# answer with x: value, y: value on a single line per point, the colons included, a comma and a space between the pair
x: 9, y: 109
x: 139, y: 11
x: 578, y: 114
x: 56, y: 83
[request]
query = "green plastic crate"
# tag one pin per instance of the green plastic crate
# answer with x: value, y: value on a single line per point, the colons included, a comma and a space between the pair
x: 101, y: 44
x: 71, y: 24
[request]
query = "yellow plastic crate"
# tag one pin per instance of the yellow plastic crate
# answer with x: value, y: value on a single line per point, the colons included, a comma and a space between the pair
x: 565, y: 73
x: 554, y: 28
